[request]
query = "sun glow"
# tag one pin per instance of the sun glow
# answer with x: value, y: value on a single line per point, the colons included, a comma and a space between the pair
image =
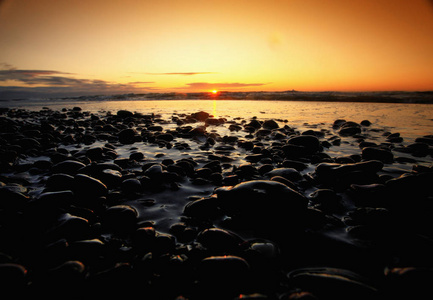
x: 214, y: 92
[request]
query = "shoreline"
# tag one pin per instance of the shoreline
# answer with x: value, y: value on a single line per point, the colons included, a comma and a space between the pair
x: 363, y: 97
x: 95, y: 202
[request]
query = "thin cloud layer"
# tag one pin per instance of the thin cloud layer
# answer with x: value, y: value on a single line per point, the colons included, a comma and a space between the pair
x: 47, y: 83
x: 208, y: 85
x: 182, y: 73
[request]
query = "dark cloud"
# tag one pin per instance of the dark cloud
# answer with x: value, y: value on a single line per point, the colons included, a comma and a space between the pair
x: 49, y: 83
x: 207, y: 85
x: 32, y: 76
x: 182, y: 73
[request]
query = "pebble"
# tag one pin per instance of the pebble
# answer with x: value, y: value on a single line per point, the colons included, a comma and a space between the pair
x: 226, y: 208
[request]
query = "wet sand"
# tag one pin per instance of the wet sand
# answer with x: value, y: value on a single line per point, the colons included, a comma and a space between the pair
x: 211, y: 208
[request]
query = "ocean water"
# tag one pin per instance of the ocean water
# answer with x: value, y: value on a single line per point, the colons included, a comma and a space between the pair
x: 409, y: 119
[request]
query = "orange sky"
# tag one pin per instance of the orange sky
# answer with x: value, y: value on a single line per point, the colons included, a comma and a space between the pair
x: 187, y: 46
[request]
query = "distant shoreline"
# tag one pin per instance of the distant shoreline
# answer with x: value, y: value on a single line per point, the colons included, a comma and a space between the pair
x: 425, y: 97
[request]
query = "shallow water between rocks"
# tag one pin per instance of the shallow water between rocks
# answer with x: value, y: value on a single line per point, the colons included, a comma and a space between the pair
x: 395, y: 127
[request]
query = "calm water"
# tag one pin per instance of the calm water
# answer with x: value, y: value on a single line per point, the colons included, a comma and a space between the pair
x: 411, y: 120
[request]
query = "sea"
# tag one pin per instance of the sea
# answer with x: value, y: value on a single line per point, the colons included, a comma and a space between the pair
x: 411, y: 120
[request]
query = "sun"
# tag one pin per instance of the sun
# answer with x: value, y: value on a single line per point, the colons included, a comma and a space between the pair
x: 214, y: 92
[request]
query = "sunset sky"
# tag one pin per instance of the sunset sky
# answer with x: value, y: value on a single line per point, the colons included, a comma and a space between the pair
x: 79, y: 47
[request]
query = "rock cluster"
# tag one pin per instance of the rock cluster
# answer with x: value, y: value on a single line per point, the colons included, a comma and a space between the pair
x: 128, y: 204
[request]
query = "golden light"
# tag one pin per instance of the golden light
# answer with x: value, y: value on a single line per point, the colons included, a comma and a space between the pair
x: 214, y: 92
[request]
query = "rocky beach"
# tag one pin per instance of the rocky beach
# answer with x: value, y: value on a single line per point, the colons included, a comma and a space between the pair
x: 192, y: 206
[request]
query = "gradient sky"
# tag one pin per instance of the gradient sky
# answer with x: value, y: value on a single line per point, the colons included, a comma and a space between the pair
x: 85, y: 46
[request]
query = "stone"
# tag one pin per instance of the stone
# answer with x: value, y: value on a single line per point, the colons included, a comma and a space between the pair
x: 223, y: 277
x: 266, y: 200
x: 270, y: 124
x: 332, y: 283
x: 131, y: 186
x: 203, y: 208
x: 220, y: 240
x: 200, y: 116
x: 89, y: 187
x: 372, y: 153
x: 120, y: 218
x: 310, y: 143
x: 69, y: 167
x: 124, y: 114
x: 288, y: 173
x: 128, y: 136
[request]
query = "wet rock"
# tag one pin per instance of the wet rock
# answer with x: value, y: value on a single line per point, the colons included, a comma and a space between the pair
x: 60, y: 182
x: 288, y: 173
x: 220, y: 240
x: 408, y: 283
x: 120, y: 218
x: 262, y: 200
x: 124, y: 114
x: 310, y: 143
x: 128, y: 136
x: 270, y: 124
x: 203, y: 208
x: 131, y: 186
x: 87, y: 251
x: 371, y: 153
x: 365, y: 123
x: 254, y: 124
x: 349, y: 129
x: 58, y: 199
x: 222, y: 276
x: 71, y: 228
x: 200, y: 116
x: 168, y: 137
x: 214, y: 121
x: 69, y: 167
x: 88, y: 187
x: 332, y: 283
x: 13, y: 277
x: 12, y: 198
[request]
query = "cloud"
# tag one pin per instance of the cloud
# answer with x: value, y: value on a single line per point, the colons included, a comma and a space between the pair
x: 208, y: 85
x: 49, y: 83
x: 182, y: 73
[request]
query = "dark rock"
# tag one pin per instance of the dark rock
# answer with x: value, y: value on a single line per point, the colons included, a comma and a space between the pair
x: 261, y: 199
x: 310, y: 143
x: 11, y: 198
x: 408, y: 283
x: 86, y: 186
x: 58, y: 199
x: 365, y: 123
x: 124, y: 114
x: 220, y: 240
x: 349, y: 129
x: 69, y: 167
x: 128, y: 136
x: 254, y: 124
x: 371, y: 153
x: 332, y: 283
x: 168, y: 137
x: 270, y: 124
x: 200, y: 116
x: 131, y: 186
x: 288, y: 173
x: 120, y: 218
x: 285, y: 181
x: 13, y: 277
x: 60, y: 182
x: 222, y: 277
